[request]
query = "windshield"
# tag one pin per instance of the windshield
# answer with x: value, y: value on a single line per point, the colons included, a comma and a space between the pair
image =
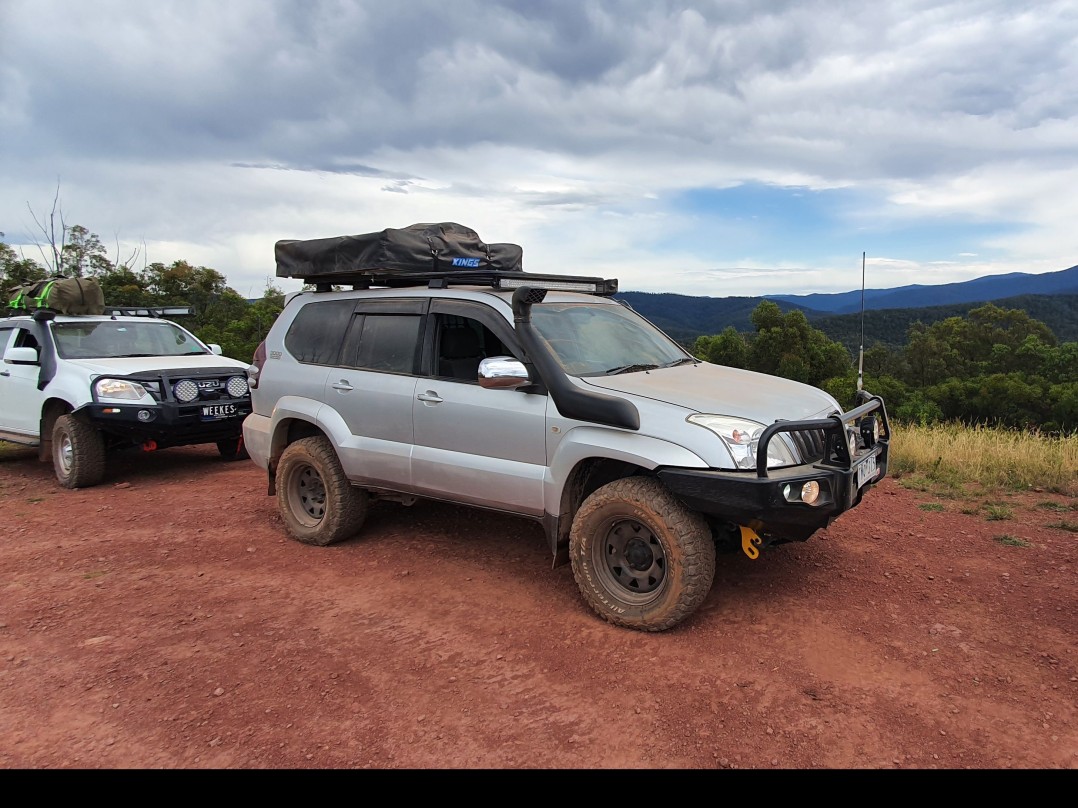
x: 595, y: 339
x: 102, y: 339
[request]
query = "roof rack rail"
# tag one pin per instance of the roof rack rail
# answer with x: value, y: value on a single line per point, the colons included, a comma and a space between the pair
x: 148, y: 311
x: 442, y: 280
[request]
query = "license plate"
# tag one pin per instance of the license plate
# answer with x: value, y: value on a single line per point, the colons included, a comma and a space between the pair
x: 213, y: 411
x: 866, y: 472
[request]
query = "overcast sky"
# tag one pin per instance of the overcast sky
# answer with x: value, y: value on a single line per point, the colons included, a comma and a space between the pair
x: 704, y: 148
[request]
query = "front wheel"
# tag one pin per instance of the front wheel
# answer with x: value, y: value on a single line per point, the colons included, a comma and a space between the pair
x: 78, y: 453
x: 641, y: 559
x: 317, y: 502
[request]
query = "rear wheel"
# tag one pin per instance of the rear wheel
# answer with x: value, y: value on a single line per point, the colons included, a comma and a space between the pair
x: 78, y: 453
x: 317, y: 502
x: 641, y: 559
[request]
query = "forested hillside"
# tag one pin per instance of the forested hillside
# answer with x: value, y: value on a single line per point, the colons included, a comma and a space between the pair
x: 890, y: 327
x: 685, y: 318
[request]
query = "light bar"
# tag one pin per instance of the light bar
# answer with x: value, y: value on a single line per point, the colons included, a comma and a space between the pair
x: 153, y: 311
x: 563, y: 286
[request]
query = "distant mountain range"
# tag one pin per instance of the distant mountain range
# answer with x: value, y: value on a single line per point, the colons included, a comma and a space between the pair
x: 1051, y: 298
x: 980, y: 290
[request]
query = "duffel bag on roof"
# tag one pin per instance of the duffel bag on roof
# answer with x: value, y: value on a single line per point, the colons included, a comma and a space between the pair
x: 62, y: 295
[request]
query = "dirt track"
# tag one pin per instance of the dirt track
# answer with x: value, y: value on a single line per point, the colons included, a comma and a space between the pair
x: 163, y: 620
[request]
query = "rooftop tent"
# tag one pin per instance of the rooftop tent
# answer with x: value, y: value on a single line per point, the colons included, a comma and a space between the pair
x: 419, y: 249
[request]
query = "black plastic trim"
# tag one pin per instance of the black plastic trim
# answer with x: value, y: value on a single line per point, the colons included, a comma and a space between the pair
x: 571, y: 401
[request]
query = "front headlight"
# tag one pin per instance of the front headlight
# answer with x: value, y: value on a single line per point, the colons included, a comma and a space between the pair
x: 742, y: 437
x: 119, y: 389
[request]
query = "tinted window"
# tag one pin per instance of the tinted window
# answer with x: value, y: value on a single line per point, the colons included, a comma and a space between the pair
x: 386, y: 342
x: 315, y: 335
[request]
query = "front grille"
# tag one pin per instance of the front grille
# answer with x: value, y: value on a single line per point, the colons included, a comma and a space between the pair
x: 810, y: 443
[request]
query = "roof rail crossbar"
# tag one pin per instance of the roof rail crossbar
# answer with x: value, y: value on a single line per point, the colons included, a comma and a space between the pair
x: 442, y: 280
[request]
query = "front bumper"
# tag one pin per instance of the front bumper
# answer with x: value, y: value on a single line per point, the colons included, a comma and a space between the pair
x: 171, y: 424
x: 767, y: 501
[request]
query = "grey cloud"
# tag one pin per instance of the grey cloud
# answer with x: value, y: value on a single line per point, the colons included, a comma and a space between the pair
x: 917, y: 87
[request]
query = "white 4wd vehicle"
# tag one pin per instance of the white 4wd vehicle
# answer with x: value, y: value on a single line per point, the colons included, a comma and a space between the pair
x: 502, y: 390
x: 80, y: 386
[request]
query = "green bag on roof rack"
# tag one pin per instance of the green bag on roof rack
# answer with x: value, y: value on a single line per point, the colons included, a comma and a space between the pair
x: 61, y: 295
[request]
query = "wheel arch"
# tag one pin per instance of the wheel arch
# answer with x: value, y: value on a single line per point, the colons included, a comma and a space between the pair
x: 590, y: 457
x: 52, y: 409
x: 295, y: 418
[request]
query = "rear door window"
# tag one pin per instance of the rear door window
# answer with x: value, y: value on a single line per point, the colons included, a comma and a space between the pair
x: 315, y: 335
x: 385, y: 335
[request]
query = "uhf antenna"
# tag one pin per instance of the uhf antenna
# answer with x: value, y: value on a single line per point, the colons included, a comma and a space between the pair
x: 861, y: 355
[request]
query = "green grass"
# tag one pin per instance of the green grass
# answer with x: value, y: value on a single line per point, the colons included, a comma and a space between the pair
x: 931, y: 506
x: 949, y: 457
x: 1011, y: 541
x: 997, y: 513
x: 1064, y: 524
x: 1058, y: 506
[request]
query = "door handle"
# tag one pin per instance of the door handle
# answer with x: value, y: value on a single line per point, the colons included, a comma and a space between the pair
x: 430, y: 396
x: 342, y: 385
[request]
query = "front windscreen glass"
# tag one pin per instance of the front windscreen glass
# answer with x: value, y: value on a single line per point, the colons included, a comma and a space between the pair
x: 103, y: 339
x: 601, y: 339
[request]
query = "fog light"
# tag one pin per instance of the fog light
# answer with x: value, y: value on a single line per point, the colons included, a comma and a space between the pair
x: 852, y: 445
x: 810, y: 492
x: 145, y: 415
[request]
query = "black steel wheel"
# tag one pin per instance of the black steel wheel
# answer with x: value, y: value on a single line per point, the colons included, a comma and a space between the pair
x: 641, y: 559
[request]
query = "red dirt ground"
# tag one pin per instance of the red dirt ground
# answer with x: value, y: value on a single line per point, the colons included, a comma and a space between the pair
x: 164, y: 621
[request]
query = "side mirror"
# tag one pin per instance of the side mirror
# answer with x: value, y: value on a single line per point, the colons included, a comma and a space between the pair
x: 502, y: 373
x: 21, y: 356
x: 215, y: 348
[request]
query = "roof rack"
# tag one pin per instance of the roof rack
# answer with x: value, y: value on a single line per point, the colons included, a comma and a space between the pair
x: 493, y: 278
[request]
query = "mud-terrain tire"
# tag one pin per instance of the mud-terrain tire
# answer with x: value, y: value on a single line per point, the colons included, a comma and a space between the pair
x: 232, y: 449
x: 78, y: 453
x: 641, y: 559
x: 317, y: 502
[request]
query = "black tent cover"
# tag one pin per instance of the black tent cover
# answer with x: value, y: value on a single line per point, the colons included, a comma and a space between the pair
x: 417, y: 249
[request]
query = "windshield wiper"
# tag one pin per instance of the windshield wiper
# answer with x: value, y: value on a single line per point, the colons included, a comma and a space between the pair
x: 683, y: 361
x: 629, y: 369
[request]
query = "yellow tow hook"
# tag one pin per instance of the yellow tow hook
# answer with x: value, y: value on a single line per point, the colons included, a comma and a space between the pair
x: 750, y: 541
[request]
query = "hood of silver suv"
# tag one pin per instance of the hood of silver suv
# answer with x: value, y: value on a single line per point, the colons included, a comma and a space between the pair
x: 720, y: 390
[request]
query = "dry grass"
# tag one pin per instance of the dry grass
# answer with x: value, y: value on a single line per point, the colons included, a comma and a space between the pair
x: 951, y: 456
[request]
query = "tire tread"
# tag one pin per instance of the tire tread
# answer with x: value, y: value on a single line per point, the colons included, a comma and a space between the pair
x: 696, y: 550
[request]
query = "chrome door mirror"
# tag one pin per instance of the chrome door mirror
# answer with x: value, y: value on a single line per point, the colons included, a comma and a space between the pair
x: 502, y: 373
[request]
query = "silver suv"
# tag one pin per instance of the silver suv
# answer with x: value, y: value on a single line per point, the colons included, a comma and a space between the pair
x: 545, y: 397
